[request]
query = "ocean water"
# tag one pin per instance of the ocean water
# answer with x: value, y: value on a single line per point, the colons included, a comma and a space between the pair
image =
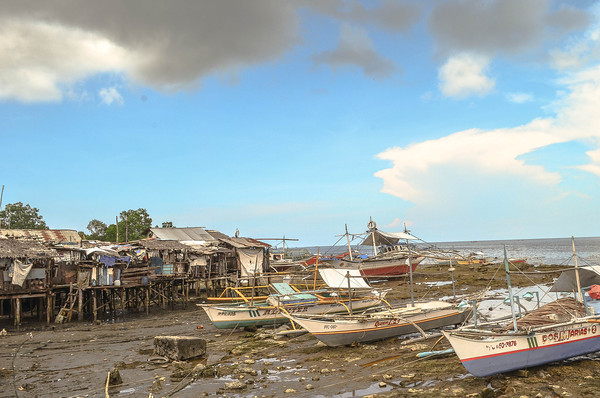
x: 555, y: 251
x: 536, y: 251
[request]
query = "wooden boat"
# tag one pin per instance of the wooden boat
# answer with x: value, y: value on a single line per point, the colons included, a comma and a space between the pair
x: 289, y: 300
x: 380, y: 267
x: 390, y: 258
x: 559, y: 330
x: 484, y: 352
x: 339, y: 330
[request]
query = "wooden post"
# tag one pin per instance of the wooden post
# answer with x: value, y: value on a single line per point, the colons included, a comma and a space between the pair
x: 40, y: 311
x: 147, y: 299
x: 48, y: 307
x: 94, y: 305
x: 122, y: 297
x: 18, y: 313
x: 80, y: 303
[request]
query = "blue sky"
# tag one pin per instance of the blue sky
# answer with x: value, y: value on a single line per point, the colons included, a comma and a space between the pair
x: 463, y: 119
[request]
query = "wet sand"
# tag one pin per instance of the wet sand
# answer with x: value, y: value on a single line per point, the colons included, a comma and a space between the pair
x: 73, y: 360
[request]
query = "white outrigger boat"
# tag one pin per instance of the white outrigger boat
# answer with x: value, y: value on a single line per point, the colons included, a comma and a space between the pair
x: 289, y: 300
x: 559, y: 330
x: 339, y: 330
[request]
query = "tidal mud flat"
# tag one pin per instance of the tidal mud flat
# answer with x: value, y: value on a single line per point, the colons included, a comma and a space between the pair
x: 73, y: 360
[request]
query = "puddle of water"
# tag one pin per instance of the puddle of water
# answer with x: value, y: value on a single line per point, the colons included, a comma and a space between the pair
x: 459, y: 377
x: 430, y: 383
x: 441, y: 283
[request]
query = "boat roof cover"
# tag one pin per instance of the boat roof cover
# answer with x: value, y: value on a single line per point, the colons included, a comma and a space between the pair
x: 588, y: 275
x: 386, y: 238
x: 336, y: 278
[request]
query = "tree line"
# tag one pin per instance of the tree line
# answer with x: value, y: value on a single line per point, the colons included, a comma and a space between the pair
x: 130, y: 224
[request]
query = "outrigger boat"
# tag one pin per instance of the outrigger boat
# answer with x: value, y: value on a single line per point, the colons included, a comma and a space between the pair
x: 559, y: 330
x: 287, y: 300
x: 390, y: 258
x: 339, y: 330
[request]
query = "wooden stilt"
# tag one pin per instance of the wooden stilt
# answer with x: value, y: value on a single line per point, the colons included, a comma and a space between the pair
x: 122, y: 298
x: 48, y: 307
x: 80, y: 304
x: 94, y: 305
x: 18, y: 313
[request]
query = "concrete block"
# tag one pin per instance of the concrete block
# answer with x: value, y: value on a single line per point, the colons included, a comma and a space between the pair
x: 178, y: 348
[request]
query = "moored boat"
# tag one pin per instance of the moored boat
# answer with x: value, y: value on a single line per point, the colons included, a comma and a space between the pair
x: 339, y: 330
x: 559, y: 330
x: 484, y: 352
x: 288, y: 301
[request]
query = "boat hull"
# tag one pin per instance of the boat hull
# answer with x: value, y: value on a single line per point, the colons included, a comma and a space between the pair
x: 232, y: 316
x: 340, y: 332
x: 384, y: 267
x: 498, y: 354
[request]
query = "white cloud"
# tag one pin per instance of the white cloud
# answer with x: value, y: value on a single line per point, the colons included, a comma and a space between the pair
x: 50, y: 59
x: 464, y: 75
x: 110, y: 95
x: 579, y: 53
x: 422, y: 172
x: 519, y: 98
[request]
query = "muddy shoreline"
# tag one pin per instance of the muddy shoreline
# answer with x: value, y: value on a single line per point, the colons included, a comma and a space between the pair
x: 73, y: 360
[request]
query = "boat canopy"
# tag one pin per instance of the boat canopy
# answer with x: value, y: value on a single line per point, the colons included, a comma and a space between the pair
x: 386, y: 238
x: 588, y: 275
x: 336, y: 278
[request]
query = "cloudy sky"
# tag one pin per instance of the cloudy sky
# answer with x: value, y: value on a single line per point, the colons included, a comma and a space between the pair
x: 462, y: 119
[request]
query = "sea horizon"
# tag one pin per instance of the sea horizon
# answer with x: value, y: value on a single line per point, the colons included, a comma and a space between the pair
x: 536, y: 251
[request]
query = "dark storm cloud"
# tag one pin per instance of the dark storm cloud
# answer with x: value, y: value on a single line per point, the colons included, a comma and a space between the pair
x: 392, y: 15
x: 177, y: 42
x: 356, y: 50
x: 500, y: 25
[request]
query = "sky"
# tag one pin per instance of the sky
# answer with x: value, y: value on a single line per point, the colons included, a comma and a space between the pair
x: 459, y: 119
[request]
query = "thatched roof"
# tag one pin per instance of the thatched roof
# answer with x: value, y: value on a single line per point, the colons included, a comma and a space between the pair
x: 19, y: 248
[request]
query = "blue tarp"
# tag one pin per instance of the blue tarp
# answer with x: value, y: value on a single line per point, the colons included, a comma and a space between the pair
x: 110, y: 261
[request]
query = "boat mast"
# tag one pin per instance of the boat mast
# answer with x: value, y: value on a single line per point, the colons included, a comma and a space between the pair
x: 348, y: 239
x: 576, y: 271
x: 372, y: 227
x: 410, y: 274
x: 510, y: 293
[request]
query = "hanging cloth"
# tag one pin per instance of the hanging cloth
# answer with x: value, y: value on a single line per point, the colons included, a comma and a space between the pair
x: 251, y: 261
x: 20, y: 272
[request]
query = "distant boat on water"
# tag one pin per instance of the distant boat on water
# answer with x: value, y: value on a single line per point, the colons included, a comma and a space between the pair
x: 390, y: 258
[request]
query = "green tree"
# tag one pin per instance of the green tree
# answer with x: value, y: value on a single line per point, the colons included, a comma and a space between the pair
x: 97, y: 230
x: 20, y: 216
x: 133, y: 223
x: 168, y: 224
x: 131, y: 226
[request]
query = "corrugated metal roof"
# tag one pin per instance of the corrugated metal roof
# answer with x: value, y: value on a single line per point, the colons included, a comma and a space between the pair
x: 45, y: 235
x: 188, y: 233
x: 241, y: 243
